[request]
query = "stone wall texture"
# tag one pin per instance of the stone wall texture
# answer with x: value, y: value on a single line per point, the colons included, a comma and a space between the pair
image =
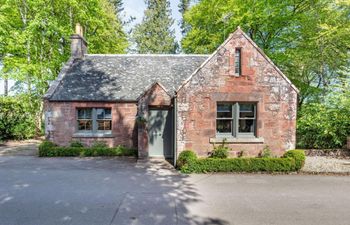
x: 61, y: 123
x: 259, y: 82
x: 156, y: 96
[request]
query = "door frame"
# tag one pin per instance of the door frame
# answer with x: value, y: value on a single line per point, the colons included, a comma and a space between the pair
x: 172, y: 137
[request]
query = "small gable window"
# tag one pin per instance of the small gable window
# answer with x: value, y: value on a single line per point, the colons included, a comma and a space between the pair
x: 94, y: 119
x: 238, y: 62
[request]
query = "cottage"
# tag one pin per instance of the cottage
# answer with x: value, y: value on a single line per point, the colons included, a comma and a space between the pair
x: 164, y: 104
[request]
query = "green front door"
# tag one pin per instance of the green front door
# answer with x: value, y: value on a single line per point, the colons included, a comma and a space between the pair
x: 160, y: 135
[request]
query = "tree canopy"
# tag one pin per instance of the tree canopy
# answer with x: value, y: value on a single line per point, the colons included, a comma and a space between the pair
x: 155, y: 33
x: 307, y: 39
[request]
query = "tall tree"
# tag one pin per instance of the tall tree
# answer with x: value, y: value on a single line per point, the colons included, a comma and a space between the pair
x: 155, y: 33
x: 183, y: 7
x: 34, y: 39
x: 307, y: 39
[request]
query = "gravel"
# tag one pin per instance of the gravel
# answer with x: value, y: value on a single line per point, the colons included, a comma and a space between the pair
x: 321, y: 164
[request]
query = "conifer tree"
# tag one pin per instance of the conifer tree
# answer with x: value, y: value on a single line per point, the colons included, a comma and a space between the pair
x: 155, y: 33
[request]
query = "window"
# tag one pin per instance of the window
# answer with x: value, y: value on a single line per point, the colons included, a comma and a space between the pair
x: 236, y: 119
x: 94, y: 119
x: 104, y: 119
x: 84, y: 119
x: 238, y: 61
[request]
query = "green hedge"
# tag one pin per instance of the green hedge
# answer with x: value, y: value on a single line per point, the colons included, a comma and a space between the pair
x: 298, y: 156
x: 290, y: 162
x: 48, y: 149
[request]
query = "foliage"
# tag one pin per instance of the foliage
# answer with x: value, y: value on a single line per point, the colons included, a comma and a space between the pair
x: 220, y: 151
x: 76, y: 143
x: 326, y: 125
x: 17, y: 117
x: 266, y: 152
x: 298, y: 156
x: 99, y: 144
x: 48, y: 149
x: 154, y: 34
x: 307, y: 39
x: 185, y: 157
x: 35, y: 42
x: 204, y: 165
x: 45, y: 145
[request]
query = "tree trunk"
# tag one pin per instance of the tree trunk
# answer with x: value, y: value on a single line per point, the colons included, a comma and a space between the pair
x: 6, y: 87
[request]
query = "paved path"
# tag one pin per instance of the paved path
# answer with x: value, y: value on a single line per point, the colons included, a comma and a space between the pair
x: 48, y: 191
x: 23, y: 148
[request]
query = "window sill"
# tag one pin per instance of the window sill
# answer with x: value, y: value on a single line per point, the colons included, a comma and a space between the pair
x: 236, y: 140
x: 93, y: 135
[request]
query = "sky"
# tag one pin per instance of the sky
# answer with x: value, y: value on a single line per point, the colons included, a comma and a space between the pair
x: 134, y: 8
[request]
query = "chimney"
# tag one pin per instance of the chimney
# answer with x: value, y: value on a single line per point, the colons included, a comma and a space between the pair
x: 78, y: 44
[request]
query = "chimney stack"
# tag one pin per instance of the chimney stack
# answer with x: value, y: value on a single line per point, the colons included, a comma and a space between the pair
x: 78, y: 43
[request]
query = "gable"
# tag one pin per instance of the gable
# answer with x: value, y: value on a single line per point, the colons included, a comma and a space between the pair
x: 252, y: 57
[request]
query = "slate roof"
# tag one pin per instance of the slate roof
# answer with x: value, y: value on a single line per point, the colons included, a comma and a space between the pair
x: 121, y: 77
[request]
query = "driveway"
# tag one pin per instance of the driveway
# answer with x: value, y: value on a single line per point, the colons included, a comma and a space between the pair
x: 40, y: 191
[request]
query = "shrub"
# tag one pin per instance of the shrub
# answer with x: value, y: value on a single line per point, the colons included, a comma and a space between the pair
x: 186, y: 157
x: 189, y: 163
x: 298, y: 156
x: 45, y: 147
x: 220, y: 151
x: 99, y: 144
x: 266, y: 152
x: 76, y: 144
x: 241, y: 165
x: 49, y: 149
x: 18, y: 117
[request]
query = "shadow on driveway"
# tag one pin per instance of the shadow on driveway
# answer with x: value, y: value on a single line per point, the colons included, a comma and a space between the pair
x: 95, y: 191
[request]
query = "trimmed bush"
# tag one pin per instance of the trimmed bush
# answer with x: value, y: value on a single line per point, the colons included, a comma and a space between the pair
x: 49, y: 149
x: 76, y: 144
x: 241, y: 165
x: 186, y: 157
x: 298, y: 156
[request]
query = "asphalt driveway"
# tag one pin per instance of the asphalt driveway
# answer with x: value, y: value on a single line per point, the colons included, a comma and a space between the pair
x: 40, y: 191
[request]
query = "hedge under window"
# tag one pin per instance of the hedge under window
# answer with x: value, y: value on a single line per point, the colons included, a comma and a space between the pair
x: 236, y: 119
x: 94, y: 119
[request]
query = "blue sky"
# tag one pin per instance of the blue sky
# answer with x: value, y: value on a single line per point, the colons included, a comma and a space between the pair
x: 135, y: 8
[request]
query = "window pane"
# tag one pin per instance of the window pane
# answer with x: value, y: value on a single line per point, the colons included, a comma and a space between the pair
x: 85, y: 113
x: 104, y: 124
x: 246, y: 111
x: 238, y: 61
x: 100, y: 113
x: 246, y: 126
x: 224, y: 111
x: 224, y: 126
x: 108, y: 114
x: 84, y: 124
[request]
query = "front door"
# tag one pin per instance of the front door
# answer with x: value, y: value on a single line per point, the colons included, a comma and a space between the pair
x: 160, y: 133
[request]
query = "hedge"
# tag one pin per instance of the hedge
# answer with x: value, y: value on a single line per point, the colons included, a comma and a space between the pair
x: 298, y: 156
x: 290, y: 162
x: 48, y: 149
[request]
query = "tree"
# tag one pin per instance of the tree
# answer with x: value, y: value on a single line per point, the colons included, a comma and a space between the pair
x: 307, y: 39
x: 183, y: 8
x: 154, y: 34
x: 34, y: 40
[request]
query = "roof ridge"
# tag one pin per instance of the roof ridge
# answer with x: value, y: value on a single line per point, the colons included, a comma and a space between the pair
x: 153, y: 55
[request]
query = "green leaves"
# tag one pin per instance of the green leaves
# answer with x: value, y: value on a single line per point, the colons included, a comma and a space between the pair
x: 154, y: 34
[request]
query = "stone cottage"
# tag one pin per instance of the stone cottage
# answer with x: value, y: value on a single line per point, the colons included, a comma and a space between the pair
x: 164, y: 104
